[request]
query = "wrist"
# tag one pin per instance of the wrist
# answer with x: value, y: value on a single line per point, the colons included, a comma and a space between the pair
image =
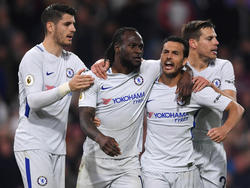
x: 226, y: 128
x: 64, y: 89
x: 98, y: 138
x: 211, y: 85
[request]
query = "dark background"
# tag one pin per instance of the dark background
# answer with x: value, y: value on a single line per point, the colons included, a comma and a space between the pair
x: 20, y: 30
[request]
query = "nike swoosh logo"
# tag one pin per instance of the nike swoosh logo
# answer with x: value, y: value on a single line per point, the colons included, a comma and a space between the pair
x: 49, y: 73
x: 104, y: 88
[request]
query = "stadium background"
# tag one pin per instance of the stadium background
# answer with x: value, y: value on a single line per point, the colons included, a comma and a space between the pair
x: 20, y: 29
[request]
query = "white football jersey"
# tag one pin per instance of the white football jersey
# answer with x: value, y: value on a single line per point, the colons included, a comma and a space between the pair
x: 221, y: 74
x: 119, y: 101
x: 168, y: 146
x: 44, y: 128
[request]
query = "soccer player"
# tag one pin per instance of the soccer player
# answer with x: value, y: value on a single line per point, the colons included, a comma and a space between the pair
x: 219, y: 74
x: 47, y: 75
x: 111, y: 151
x: 168, y: 160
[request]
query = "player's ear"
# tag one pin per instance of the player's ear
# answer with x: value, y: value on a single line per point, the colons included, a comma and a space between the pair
x: 192, y: 43
x: 50, y: 27
x: 117, y: 48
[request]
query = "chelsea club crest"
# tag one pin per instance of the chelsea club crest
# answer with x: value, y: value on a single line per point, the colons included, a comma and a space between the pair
x: 42, y: 181
x: 138, y: 80
x: 69, y: 72
x: 217, y: 82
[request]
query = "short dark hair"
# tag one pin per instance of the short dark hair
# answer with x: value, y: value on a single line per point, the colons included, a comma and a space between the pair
x: 116, y: 39
x: 54, y: 13
x: 174, y: 38
x: 193, y: 29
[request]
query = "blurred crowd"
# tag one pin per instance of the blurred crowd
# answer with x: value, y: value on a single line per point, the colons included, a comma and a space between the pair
x: 20, y: 29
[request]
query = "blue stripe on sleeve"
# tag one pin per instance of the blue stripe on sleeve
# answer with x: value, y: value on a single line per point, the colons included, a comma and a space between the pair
x: 39, y: 48
x: 27, y: 109
x: 27, y: 167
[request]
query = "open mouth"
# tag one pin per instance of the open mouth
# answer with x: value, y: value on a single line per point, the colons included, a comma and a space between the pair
x: 214, y: 51
x: 70, y: 37
x: 168, y: 65
x: 137, y: 58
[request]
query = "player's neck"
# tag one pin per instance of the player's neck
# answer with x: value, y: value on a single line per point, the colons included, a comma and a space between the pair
x: 169, y: 81
x: 52, y: 47
x: 196, y: 62
x: 117, y: 67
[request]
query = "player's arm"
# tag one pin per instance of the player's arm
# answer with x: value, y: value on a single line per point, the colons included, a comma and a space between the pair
x: 228, y: 93
x: 100, y: 67
x: 40, y: 99
x: 201, y: 82
x: 184, y: 86
x: 107, y: 144
x: 235, y: 112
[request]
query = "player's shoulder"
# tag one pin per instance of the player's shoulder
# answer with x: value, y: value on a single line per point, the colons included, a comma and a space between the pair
x: 89, y: 72
x: 150, y: 62
x: 150, y: 65
x: 221, y: 62
x: 34, y: 55
x: 37, y: 51
x: 223, y: 65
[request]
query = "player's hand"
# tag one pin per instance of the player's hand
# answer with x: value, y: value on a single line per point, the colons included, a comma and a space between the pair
x: 108, y: 145
x: 184, y: 87
x: 79, y: 82
x: 217, y: 134
x: 100, y: 67
x: 200, y: 83
x: 97, y: 122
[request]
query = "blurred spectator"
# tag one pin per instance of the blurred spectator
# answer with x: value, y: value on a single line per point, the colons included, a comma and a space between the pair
x: 244, y: 46
x: 241, y: 74
x: 3, y: 112
x: 21, y: 11
x: 10, y: 176
x: 243, y: 9
x: 172, y: 14
x: 85, y: 35
x: 75, y: 139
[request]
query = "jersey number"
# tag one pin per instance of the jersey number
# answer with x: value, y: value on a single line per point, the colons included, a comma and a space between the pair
x: 223, y: 179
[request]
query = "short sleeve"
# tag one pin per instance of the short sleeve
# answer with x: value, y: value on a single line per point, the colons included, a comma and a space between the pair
x: 228, y: 78
x: 207, y: 97
x: 89, y: 96
x: 30, y: 71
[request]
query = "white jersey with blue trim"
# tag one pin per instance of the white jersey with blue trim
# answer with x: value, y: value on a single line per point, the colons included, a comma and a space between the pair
x: 221, y: 74
x: 44, y: 128
x: 168, y: 146
x: 120, y: 101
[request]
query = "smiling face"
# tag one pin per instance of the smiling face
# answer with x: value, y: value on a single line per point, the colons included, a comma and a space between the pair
x: 64, y: 30
x: 207, y: 45
x: 131, y: 50
x: 172, y: 58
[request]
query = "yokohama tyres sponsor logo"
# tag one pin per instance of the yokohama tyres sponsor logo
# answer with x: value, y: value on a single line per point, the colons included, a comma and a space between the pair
x: 136, y: 96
